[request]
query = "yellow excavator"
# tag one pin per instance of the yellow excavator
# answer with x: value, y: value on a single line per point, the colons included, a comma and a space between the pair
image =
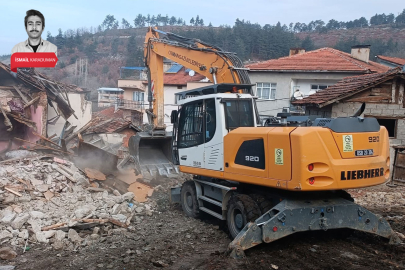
x: 268, y: 181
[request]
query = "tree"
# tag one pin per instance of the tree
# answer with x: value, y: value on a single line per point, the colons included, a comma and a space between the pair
x: 148, y: 19
x: 60, y: 39
x: 308, y: 44
x: 158, y: 19
x: 201, y: 22
x: 210, y: 25
x: 49, y: 37
x: 125, y: 24
x: 390, y: 18
x: 139, y: 21
x: 192, y: 21
x: 197, y: 20
x: 333, y: 24
x: 179, y: 21
x: 172, y: 20
x: 363, y: 22
x: 400, y: 19
x: 297, y: 27
x: 153, y: 20
x: 110, y: 22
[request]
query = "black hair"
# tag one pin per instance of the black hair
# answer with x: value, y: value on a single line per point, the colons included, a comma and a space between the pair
x: 33, y: 12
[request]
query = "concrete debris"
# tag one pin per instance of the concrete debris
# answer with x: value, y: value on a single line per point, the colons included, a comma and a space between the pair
x: 74, y: 236
x: 18, y: 222
x: 57, y: 204
x: 7, y: 253
x: 7, y: 267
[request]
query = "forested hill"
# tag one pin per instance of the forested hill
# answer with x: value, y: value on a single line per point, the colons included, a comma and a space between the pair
x: 110, y: 45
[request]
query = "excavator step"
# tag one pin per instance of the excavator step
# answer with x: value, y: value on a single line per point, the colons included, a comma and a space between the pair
x: 212, y: 213
x: 291, y: 216
x: 204, y: 198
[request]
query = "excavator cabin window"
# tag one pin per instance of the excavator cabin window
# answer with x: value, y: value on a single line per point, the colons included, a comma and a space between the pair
x: 238, y: 113
x: 197, y: 123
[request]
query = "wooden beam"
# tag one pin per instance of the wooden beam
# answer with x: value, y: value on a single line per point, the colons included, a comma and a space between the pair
x: 31, y: 102
x: 21, y: 94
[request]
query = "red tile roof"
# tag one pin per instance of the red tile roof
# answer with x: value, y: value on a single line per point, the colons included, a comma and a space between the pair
x: 346, y: 88
x: 99, y: 125
x: 110, y: 113
x: 395, y: 60
x: 181, y: 78
x: 107, y: 121
x: 322, y: 60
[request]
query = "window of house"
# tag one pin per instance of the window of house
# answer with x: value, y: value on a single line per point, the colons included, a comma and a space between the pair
x: 390, y: 125
x: 318, y: 87
x: 266, y: 90
x: 179, y: 87
x: 138, y: 96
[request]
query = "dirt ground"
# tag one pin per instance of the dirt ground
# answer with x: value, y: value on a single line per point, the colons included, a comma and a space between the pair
x: 171, y: 240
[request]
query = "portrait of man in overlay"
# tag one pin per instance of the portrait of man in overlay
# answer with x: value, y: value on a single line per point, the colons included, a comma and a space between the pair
x: 34, y: 25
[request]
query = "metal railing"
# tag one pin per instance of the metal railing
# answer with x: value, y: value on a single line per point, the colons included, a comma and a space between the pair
x: 130, y: 104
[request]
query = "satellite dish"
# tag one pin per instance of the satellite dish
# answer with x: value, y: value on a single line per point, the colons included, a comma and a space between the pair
x: 191, y: 73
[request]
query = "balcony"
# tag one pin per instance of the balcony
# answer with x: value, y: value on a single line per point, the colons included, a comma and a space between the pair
x: 130, y: 105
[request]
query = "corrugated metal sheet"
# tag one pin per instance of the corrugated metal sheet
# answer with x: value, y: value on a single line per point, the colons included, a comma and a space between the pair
x: 174, y: 69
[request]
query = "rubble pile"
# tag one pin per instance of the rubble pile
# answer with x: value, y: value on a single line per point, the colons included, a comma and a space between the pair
x: 381, y: 199
x: 48, y: 200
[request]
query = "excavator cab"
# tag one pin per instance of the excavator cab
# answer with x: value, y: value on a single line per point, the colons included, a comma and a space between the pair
x: 205, y: 115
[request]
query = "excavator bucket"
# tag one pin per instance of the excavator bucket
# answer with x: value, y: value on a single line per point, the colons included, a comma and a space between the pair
x: 152, y: 154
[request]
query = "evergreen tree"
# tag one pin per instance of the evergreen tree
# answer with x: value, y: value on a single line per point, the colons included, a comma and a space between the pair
x: 110, y: 22
x: 125, y: 24
x: 173, y: 20
x: 148, y: 19
x: 400, y: 19
x: 192, y: 21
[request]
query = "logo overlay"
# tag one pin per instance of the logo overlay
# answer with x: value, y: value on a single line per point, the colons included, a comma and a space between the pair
x: 31, y: 60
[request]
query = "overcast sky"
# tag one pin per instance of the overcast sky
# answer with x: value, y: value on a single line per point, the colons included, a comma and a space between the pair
x: 73, y: 14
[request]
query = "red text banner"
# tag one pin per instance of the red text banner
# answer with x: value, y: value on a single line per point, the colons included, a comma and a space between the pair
x: 31, y: 60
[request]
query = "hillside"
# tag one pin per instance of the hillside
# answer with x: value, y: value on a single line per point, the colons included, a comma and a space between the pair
x: 105, y: 51
x: 363, y: 35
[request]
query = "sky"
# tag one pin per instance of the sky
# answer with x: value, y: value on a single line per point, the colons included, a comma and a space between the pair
x: 74, y: 14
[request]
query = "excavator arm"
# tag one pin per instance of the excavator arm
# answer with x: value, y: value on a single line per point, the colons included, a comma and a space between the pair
x: 208, y: 60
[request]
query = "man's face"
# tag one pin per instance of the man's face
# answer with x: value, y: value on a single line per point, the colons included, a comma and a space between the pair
x: 34, y: 27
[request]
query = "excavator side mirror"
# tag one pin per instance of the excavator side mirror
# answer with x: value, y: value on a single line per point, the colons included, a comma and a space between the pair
x: 174, y: 116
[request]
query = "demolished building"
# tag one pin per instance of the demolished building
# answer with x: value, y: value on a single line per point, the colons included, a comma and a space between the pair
x: 33, y: 105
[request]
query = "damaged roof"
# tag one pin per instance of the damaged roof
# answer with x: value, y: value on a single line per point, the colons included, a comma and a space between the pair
x: 321, y: 60
x: 107, y: 121
x: 347, y: 87
x: 394, y: 60
x: 37, y: 82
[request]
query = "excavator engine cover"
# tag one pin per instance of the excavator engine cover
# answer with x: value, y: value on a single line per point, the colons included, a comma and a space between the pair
x: 152, y: 154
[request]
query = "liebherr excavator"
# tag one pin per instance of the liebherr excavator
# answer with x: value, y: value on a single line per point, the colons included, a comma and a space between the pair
x: 270, y: 181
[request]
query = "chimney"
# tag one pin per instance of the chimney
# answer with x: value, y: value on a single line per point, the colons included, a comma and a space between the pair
x: 294, y: 51
x: 361, y: 52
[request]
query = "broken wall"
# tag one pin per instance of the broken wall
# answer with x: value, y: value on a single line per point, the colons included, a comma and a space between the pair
x: 83, y: 111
